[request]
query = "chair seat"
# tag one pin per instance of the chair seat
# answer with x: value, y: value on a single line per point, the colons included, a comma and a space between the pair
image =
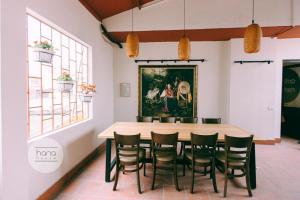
x: 165, y: 156
x: 131, y: 159
x: 200, y: 158
x: 220, y: 155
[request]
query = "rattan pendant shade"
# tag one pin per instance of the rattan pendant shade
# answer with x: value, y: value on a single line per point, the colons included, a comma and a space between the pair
x: 184, y: 48
x: 252, y: 38
x: 132, y: 45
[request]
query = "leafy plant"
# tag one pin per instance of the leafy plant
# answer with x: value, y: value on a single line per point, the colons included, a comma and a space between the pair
x: 65, y: 77
x: 88, y: 88
x: 43, y: 45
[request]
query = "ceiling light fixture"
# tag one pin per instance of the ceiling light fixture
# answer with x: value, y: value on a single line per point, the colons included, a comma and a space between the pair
x: 132, y: 41
x: 184, y: 47
x: 252, y: 36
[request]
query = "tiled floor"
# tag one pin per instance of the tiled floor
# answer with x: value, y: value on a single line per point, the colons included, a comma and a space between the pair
x: 278, y: 177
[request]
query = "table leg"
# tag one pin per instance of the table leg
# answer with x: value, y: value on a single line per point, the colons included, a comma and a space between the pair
x: 108, y: 160
x: 253, y: 167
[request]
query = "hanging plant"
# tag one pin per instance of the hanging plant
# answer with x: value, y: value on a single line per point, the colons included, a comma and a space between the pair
x: 65, y: 82
x: 43, y: 52
x: 87, y: 92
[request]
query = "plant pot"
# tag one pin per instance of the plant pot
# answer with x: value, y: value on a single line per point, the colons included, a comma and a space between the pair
x: 86, y: 97
x: 65, y: 86
x: 43, y: 55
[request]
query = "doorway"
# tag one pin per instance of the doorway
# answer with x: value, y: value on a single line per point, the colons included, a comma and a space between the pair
x: 290, y: 106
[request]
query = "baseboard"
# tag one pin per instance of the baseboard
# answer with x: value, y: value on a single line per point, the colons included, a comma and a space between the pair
x: 277, y: 140
x: 57, y: 187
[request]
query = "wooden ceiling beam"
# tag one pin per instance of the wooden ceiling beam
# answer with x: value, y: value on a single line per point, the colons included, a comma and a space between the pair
x: 91, y: 9
x: 139, y: 4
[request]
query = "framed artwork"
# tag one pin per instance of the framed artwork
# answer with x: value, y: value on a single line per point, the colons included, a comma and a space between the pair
x: 168, y: 90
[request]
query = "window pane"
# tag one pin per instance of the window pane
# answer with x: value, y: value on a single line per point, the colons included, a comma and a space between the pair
x: 56, y: 42
x: 56, y: 67
x: 72, y: 50
x: 34, y: 92
x: 46, y: 31
x: 35, y: 122
x: 47, y: 78
x: 47, y: 105
x: 34, y: 67
x: 47, y: 125
x: 65, y: 41
x: 57, y: 116
x: 73, y: 113
x: 33, y: 30
x: 85, y: 110
x: 65, y: 58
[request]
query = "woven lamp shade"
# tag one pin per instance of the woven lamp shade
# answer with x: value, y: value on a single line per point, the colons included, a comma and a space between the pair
x: 132, y: 45
x: 252, y: 38
x: 184, y: 48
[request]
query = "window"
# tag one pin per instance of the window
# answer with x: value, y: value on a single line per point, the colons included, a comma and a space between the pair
x: 50, y: 109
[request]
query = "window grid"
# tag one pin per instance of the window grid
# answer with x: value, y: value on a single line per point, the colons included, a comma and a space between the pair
x: 70, y: 113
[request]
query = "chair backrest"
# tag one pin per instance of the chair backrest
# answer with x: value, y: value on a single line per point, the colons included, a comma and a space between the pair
x: 192, y: 120
x: 144, y: 119
x: 127, y: 143
x: 205, y: 144
x: 167, y: 119
x: 238, y: 145
x: 161, y: 140
x: 211, y: 120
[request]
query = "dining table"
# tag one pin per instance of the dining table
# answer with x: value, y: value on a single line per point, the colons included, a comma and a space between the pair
x: 184, y: 130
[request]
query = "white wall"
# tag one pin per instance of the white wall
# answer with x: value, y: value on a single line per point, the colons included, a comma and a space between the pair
x: 168, y: 15
x: 247, y: 95
x: 77, y: 141
x: 212, y: 77
x: 13, y: 97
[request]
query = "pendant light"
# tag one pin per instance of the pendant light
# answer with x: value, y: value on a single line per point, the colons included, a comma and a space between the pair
x: 132, y: 41
x: 184, y: 47
x: 252, y: 36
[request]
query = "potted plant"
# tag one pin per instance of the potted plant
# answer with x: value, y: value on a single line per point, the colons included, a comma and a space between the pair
x: 43, y: 51
x: 87, y: 92
x: 65, y: 82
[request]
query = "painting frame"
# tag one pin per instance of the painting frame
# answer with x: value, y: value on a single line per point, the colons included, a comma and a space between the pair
x: 194, y: 94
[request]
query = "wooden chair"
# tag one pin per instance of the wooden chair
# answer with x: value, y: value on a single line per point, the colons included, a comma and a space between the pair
x: 144, y: 119
x: 202, y: 154
x: 129, y: 153
x: 145, y: 143
x: 236, y: 157
x: 190, y: 120
x: 164, y: 153
x: 167, y: 119
x: 211, y: 120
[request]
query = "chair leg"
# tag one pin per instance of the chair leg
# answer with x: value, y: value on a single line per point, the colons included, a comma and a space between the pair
x: 205, y: 171
x: 138, y: 179
x: 117, y: 176
x: 154, y: 174
x: 181, y: 148
x: 248, y: 182
x: 193, y: 178
x: 226, y: 180
x: 175, y: 176
x: 213, y: 175
x: 183, y: 166
x: 144, y: 168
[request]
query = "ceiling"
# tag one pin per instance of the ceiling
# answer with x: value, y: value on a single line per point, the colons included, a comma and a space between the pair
x: 102, y: 9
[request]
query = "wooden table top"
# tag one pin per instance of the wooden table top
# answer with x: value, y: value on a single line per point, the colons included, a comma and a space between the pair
x: 184, y: 130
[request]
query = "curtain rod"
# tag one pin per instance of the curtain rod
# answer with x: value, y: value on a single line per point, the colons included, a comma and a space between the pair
x: 170, y: 60
x: 253, y: 61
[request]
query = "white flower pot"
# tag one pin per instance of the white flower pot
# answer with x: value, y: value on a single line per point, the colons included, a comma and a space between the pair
x: 86, y: 98
x: 43, y: 55
x: 65, y: 86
